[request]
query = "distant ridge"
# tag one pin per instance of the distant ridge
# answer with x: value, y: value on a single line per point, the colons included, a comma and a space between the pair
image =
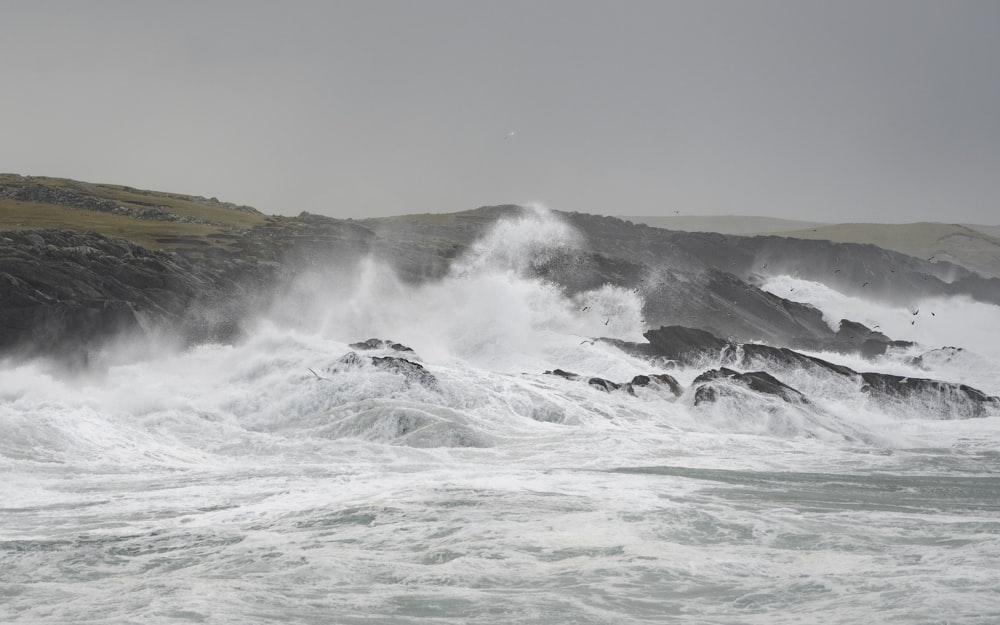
x: 975, y: 247
x: 723, y: 224
x: 969, y: 246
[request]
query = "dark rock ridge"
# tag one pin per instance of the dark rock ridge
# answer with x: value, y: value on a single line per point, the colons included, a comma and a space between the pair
x: 949, y: 401
x: 708, y: 389
x: 373, y: 344
x: 654, y: 381
x: 900, y: 395
x: 64, y: 293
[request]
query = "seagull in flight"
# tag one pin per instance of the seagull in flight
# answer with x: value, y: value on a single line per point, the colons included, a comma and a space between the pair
x: 509, y: 134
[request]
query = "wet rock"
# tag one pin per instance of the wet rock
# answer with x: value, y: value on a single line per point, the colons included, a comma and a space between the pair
x: 712, y: 384
x: 657, y: 380
x: 685, y: 345
x: 412, y: 371
x: 563, y: 374
x: 676, y: 345
x: 938, y: 356
x: 63, y: 293
x: 605, y: 385
x: 373, y: 344
x: 921, y: 397
x: 754, y: 355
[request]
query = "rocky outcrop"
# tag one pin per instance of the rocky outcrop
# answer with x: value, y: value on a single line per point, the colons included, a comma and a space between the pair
x: 373, y: 344
x: 764, y: 364
x: 716, y: 383
x: 687, y: 346
x: 64, y: 293
x: 661, y: 382
x: 657, y: 381
x: 919, y: 396
x: 412, y: 371
x: 48, y: 194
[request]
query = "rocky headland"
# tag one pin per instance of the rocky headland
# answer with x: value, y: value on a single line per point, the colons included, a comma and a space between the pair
x: 82, y: 264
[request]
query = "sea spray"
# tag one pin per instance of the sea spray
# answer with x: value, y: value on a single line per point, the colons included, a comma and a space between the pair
x: 492, y: 308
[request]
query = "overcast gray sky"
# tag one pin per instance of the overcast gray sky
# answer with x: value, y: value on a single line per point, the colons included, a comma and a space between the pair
x: 829, y: 111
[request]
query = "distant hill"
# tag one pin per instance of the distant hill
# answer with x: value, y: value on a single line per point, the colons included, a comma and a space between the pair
x: 971, y: 248
x: 975, y: 247
x: 723, y: 224
x: 153, y: 219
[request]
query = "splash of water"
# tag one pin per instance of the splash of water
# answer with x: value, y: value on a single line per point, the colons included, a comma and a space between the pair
x: 490, y: 309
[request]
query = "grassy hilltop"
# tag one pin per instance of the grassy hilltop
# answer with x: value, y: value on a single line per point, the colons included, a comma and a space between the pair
x: 155, y: 220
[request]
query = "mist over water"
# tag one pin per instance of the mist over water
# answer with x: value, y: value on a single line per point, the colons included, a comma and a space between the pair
x: 275, y: 480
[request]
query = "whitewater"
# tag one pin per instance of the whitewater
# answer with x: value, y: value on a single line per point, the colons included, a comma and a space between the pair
x: 279, y: 480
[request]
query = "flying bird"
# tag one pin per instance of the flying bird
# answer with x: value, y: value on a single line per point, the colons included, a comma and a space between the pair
x: 864, y: 285
x: 606, y: 321
x: 591, y: 341
x: 509, y: 134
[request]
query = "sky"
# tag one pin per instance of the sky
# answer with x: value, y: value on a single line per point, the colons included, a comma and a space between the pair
x: 833, y: 111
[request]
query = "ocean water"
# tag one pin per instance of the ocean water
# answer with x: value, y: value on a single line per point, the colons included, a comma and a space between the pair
x: 271, y: 482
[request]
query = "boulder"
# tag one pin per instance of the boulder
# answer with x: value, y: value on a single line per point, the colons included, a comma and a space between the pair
x: 605, y: 385
x: 412, y: 371
x: 563, y: 374
x: 656, y: 380
x: 712, y: 384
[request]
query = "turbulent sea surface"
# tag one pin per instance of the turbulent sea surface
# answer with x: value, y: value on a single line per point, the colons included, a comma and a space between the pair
x: 270, y: 481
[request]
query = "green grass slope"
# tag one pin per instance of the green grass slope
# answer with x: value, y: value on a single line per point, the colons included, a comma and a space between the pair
x: 153, y: 219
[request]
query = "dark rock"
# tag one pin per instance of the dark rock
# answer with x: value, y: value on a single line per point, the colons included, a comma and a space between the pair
x: 563, y: 374
x: 63, y: 293
x: 708, y: 387
x: 412, y: 371
x: 372, y: 344
x: 605, y: 385
x: 754, y: 355
x: 684, y: 345
x: 658, y: 379
x: 920, y: 397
